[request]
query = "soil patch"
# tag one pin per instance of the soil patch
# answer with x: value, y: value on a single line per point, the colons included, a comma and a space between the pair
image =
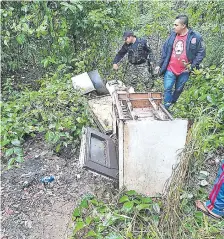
x: 33, y: 210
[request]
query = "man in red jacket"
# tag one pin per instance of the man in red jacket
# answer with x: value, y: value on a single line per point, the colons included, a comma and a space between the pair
x: 183, y: 51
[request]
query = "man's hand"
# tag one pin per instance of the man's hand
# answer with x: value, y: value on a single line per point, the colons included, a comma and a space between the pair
x: 157, y: 69
x: 187, y: 66
x: 115, y: 66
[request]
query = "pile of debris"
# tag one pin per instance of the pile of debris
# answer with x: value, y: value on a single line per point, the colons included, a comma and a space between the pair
x: 138, y: 140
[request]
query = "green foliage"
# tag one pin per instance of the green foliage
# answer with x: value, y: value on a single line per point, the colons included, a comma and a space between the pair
x: 54, y: 33
x: 199, y: 225
x: 155, y: 24
x: 207, y: 17
x: 56, y: 110
x: 131, y: 216
x: 76, y: 36
x: 193, y: 223
x: 203, y: 102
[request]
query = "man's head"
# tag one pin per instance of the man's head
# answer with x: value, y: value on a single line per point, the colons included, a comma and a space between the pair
x: 129, y: 37
x: 181, y: 24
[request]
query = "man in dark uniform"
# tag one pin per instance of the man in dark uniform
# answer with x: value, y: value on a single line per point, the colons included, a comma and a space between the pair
x: 140, y: 60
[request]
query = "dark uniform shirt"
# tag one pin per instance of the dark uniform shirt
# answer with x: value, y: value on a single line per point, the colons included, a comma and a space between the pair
x: 138, y: 52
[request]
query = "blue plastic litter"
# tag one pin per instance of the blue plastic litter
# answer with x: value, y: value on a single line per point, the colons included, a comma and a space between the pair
x: 47, y: 179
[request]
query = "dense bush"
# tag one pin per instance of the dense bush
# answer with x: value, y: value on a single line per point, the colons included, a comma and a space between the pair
x: 203, y: 99
x: 80, y: 34
x: 56, y: 110
x: 76, y: 36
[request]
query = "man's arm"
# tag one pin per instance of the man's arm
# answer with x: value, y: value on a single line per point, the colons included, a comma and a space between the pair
x: 120, y: 54
x: 164, y: 52
x: 163, y: 57
x: 200, y: 54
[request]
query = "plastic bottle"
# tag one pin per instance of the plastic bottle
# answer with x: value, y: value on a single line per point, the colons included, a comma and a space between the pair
x: 47, y: 179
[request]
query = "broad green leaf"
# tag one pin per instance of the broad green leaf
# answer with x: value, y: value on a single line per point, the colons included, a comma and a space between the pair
x: 146, y: 200
x: 19, y: 159
x: 79, y: 120
x: 128, y: 206
x: 131, y: 193
x: 15, y: 142
x: 124, y: 199
x: 45, y: 62
x: 20, y: 39
x: 129, y: 235
x: 94, y: 202
x: 156, y: 208
x: 9, y: 152
x: 88, y: 196
x: 91, y: 234
x: 80, y: 7
x: 11, y: 162
x: 136, y: 201
x: 6, y: 43
x: 88, y: 220
x: 76, y: 212
x: 197, y: 72
x: 102, y: 209
x: 209, y: 99
x: 84, y: 203
x: 58, y: 147
x: 68, y: 6
x: 79, y: 226
x: 142, y: 206
x: 18, y: 151
x: 4, y: 142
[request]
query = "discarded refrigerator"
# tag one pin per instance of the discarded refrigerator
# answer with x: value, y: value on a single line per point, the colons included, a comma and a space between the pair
x: 149, y: 141
x: 138, y: 141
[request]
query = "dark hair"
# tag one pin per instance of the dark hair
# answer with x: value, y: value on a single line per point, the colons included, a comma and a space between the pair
x: 183, y: 18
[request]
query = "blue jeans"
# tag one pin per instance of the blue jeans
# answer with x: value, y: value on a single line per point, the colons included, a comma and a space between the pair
x: 170, y: 79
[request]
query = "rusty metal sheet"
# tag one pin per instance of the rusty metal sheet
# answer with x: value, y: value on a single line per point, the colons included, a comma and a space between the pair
x: 126, y: 103
x: 140, y: 103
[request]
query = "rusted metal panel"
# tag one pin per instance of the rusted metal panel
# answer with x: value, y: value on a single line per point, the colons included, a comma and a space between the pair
x: 140, y: 103
x: 129, y: 104
x: 139, y: 96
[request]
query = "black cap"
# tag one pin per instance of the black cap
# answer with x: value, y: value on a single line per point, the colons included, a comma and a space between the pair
x: 127, y: 34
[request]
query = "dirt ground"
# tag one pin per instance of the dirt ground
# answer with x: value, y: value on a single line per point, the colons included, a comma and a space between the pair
x: 30, y: 209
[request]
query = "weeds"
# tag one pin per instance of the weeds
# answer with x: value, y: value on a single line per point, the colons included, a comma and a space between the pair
x: 56, y: 110
x: 131, y: 216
